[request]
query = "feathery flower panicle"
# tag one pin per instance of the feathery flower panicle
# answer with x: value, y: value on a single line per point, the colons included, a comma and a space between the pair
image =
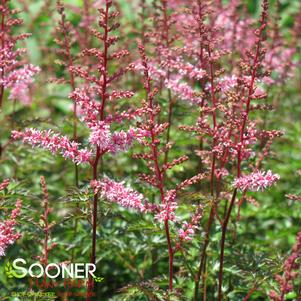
x: 55, y: 143
x: 259, y: 180
x: 167, y: 208
x: 118, y: 193
x: 234, y: 27
x: 102, y: 138
x: 15, y: 75
x: 18, y: 82
x: 183, y: 91
x: 8, y: 236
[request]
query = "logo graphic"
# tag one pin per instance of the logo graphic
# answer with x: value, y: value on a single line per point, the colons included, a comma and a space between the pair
x: 11, y: 272
x: 19, y: 269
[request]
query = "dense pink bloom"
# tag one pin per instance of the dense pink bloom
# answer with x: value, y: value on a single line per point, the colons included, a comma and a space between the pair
x: 120, y: 94
x: 100, y: 135
x: 118, y: 193
x: 234, y: 29
x: 18, y: 81
x: 168, y: 208
x: 55, y: 143
x: 176, y: 63
x: 227, y: 83
x: 89, y: 107
x: 112, y: 142
x: 16, y: 76
x: 183, y: 91
x: 7, y: 229
x: 256, y: 181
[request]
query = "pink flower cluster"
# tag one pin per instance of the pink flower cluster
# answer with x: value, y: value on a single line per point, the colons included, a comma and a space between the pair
x: 183, y: 91
x: 55, y: 143
x: 18, y: 81
x: 117, y: 193
x: 7, y: 229
x: 168, y: 207
x: 15, y: 75
x: 259, y: 180
x: 101, y: 134
x: 102, y: 137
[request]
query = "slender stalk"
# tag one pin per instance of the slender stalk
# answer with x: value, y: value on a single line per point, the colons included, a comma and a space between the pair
x: 94, y: 222
x: 223, y: 240
x: 211, y: 216
x: 70, y: 63
x: 204, y: 279
x: 72, y: 85
x: 158, y: 171
x: 99, y: 154
x: 170, y: 100
x: 170, y: 254
x: 203, y: 254
x: 255, y: 66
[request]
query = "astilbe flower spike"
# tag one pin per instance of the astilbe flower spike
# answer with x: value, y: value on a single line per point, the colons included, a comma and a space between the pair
x: 55, y: 143
x: 66, y: 41
x: 118, y: 193
x: 93, y: 102
x: 162, y: 38
x: 154, y: 150
x: 45, y: 225
x: 8, y: 236
x: 14, y: 74
x: 4, y: 184
x: 227, y: 97
x: 259, y: 180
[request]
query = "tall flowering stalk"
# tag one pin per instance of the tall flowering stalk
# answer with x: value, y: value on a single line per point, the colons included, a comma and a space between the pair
x: 162, y: 38
x: 66, y: 42
x: 92, y: 102
x: 253, y: 69
x: 158, y: 168
x: 225, y: 101
x: 164, y: 212
x: 45, y: 225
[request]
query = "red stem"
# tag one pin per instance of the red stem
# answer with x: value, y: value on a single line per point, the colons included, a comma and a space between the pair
x: 223, y: 240
x: 98, y: 153
x: 159, y: 173
x: 170, y: 101
x: 250, y: 293
x: 203, y: 254
x: 211, y: 216
x: 248, y: 102
x: 245, y: 117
